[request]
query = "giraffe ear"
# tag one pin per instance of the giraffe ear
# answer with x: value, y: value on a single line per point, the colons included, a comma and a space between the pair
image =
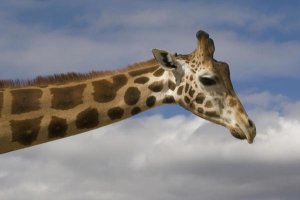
x: 169, y: 62
x: 165, y: 59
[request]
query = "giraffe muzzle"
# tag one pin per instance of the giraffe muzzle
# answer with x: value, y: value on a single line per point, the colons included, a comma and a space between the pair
x: 244, y: 131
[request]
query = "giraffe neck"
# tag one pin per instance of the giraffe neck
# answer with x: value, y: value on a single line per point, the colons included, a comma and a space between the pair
x: 33, y: 114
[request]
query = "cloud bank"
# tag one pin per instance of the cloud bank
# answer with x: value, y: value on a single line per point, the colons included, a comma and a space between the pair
x: 181, y: 157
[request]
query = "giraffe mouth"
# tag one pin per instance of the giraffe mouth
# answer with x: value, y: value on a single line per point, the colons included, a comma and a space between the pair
x: 242, y: 134
x: 237, y: 134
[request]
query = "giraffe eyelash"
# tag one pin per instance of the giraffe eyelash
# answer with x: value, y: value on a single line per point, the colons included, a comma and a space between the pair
x: 208, y: 81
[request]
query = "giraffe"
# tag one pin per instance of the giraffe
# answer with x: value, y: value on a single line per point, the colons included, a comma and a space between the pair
x: 53, y: 107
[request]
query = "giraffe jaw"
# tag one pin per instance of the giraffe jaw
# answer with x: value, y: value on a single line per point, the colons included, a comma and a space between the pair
x: 242, y: 134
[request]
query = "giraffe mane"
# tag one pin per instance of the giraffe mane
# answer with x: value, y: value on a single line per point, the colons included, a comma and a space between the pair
x: 58, y: 79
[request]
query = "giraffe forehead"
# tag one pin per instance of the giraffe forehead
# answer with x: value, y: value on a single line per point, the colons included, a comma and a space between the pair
x: 201, y: 62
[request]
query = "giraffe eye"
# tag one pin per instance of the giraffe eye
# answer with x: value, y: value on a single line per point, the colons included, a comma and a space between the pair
x: 208, y: 81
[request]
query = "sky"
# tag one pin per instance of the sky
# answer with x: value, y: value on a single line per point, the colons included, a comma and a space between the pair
x: 182, y: 156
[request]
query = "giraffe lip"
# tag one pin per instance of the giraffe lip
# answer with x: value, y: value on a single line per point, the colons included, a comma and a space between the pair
x: 238, y: 133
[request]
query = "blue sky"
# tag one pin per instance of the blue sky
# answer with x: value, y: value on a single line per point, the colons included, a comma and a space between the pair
x: 181, y: 156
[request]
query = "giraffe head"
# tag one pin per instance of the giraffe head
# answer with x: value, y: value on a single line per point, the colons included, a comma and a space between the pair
x: 203, y: 86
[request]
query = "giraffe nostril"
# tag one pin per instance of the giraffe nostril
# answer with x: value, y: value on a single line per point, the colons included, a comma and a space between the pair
x: 250, y: 123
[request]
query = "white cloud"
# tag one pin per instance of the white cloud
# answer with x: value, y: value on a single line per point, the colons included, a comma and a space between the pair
x: 293, y: 109
x: 180, y: 157
x: 265, y: 100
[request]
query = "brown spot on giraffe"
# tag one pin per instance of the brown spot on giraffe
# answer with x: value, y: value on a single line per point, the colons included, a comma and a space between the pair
x: 150, y: 102
x: 135, y: 110
x: 187, y: 100
x: 208, y: 104
x: 57, y: 128
x: 171, y: 85
x: 200, y: 110
x: 1, y: 102
x: 25, y: 132
x: 67, y: 97
x: 180, y: 102
x: 25, y: 100
x: 132, y: 96
x: 232, y: 102
x: 141, y: 80
x: 191, y: 92
x: 240, y: 109
x: 115, y: 113
x: 159, y: 72
x: 192, y: 106
x: 169, y: 99
x: 200, y: 98
x: 156, y: 86
x: 187, y: 86
x: 219, y: 102
x: 179, y: 91
x: 142, y: 71
x: 105, y: 91
x: 89, y: 118
x: 212, y: 114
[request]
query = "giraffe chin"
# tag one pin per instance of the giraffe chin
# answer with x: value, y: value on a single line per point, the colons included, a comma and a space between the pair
x: 239, y: 134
